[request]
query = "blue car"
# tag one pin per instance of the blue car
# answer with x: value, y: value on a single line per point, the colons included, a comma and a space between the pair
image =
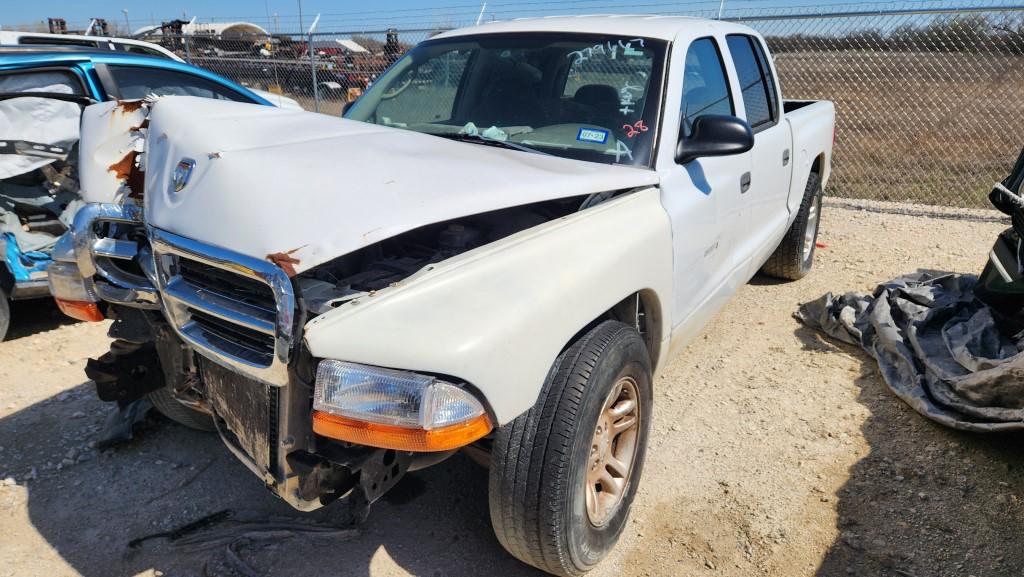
x: 43, y: 90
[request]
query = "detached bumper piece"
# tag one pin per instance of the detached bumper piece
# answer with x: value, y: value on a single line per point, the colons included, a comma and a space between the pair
x: 126, y: 373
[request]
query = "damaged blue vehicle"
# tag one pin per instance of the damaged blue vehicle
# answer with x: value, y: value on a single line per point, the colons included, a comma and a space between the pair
x: 43, y: 90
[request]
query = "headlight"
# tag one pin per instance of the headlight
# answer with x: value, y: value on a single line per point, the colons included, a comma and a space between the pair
x: 394, y: 409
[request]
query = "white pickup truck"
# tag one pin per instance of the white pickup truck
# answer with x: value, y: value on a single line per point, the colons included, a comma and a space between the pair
x: 495, y: 250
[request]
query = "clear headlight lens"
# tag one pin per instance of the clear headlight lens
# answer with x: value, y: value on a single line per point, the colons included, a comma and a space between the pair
x: 394, y: 409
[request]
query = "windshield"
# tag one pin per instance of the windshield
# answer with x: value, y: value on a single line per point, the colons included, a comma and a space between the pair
x: 583, y: 96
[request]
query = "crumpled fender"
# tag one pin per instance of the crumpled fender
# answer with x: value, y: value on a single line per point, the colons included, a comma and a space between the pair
x: 113, y: 139
x: 498, y: 316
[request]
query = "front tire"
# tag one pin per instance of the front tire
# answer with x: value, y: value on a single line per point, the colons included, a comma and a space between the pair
x: 794, y: 257
x: 564, y: 474
x: 164, y: 401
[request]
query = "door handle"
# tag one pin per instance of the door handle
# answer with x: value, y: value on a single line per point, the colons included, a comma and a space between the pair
x: 745, y: 182
x: 785, y: 157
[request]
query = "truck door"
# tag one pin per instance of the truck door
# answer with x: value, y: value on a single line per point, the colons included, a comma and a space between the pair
x: 765, y: 212
x: 702, y: 197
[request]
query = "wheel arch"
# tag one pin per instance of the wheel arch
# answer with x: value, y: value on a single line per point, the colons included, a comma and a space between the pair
x: 642, y: 310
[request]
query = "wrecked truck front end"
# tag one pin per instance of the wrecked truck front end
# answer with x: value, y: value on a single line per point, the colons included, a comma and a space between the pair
x: 227, y: 284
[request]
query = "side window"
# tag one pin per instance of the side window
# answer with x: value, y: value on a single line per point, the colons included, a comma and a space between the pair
x: 705, y: 87
x: 139, y: 82
x: 766, y: 71
x: 759, y: 99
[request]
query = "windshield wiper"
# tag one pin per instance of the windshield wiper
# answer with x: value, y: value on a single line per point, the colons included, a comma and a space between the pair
x: 478, y: 139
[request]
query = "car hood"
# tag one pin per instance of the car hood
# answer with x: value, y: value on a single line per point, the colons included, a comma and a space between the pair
x: 268, y: 181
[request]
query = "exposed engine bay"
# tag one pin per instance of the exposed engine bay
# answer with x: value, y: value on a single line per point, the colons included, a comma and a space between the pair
x: 383, y: 264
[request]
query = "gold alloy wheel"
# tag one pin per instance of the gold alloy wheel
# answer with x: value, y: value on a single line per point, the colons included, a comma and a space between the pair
x: 613, y: 451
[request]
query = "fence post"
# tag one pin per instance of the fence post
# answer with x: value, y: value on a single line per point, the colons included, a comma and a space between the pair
x: 184, y: 34
x: 312, y: 65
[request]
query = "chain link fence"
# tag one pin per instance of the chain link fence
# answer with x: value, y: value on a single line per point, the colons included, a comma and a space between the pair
x: 928, y: 100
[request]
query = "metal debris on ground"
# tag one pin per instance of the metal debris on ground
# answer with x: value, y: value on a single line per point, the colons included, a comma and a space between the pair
x: 187, y: 528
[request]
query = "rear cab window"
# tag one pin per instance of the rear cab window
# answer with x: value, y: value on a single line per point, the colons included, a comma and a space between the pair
x: 760, y: 99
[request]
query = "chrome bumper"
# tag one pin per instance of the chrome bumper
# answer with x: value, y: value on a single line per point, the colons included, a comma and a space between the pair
x: 96, y: 256
x: 192, y: 308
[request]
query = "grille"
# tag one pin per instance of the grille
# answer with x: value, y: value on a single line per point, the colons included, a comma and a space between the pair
x: 231, y: 308
x: 233, y: 338
x: 227, y: 284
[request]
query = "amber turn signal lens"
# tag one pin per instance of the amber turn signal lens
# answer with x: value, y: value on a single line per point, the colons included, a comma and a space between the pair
x: 81, y: 310
x: 400, y: 438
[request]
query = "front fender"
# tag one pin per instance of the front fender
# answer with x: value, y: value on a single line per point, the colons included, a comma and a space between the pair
x: 498, y: 316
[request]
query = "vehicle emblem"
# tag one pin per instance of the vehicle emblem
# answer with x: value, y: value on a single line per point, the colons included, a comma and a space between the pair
x: 182, y: 173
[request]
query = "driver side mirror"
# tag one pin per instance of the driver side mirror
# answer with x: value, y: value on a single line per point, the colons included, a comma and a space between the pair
x: 715, y: 135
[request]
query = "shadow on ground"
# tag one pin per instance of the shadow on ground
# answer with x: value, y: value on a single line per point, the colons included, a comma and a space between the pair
x: 35, y: 316
x: 927, y: 500
x: 96, y: 503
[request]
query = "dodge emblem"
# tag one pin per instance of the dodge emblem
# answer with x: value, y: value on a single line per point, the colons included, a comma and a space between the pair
x: 182, y: 172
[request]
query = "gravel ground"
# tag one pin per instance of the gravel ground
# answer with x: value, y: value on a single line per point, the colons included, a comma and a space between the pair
x: 774, y: 452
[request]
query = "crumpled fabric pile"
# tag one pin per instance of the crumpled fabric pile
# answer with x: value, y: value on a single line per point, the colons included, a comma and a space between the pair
x: 937, y: 347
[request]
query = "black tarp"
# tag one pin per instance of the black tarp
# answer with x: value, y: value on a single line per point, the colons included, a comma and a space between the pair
x: 937, y: 346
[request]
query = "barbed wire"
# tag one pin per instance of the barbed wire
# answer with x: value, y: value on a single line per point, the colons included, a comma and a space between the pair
x: 463, y: 13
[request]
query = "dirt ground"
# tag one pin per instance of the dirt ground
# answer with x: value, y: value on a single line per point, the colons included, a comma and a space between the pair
x: 774, y: 453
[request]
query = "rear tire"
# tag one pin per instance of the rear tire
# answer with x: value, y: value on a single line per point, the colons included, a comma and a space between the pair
x: 794, y: 257
x: 546, y: 508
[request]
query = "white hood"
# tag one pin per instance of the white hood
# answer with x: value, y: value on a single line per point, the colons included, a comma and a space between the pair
x: 270, y: 180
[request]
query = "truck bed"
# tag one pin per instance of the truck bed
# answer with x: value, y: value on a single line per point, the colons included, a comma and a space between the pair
x: 812, y: 123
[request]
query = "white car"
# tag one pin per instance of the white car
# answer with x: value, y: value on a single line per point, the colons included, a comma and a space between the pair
x: 496, y: 250
x: 18, y: 38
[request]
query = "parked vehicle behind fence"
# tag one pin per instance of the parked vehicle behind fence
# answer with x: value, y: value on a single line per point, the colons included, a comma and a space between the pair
x: 495, y: 251
x: 42, y: 92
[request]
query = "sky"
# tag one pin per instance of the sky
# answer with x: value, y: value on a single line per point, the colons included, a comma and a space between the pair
x: 361, y: 15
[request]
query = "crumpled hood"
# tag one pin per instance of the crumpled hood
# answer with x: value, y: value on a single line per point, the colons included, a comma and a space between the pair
x: 270, y: 181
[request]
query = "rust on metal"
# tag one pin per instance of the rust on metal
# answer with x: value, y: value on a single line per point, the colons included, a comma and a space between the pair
x: 122, y: 169
x: 144, y: 125
x: 129, y: 106
x: 127, y: 170
x: 285, y: 260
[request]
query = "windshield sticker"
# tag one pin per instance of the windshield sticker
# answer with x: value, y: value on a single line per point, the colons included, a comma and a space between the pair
x: 620, y: 150
x: 635, y: 128
x: 592, y: 135
x: 628, y: 49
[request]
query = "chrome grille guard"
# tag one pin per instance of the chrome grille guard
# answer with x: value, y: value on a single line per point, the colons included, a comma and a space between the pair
x: 189, y: 307
x: 96, y: 255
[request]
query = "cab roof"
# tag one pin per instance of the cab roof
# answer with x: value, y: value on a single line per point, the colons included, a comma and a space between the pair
x: 642, y: 25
